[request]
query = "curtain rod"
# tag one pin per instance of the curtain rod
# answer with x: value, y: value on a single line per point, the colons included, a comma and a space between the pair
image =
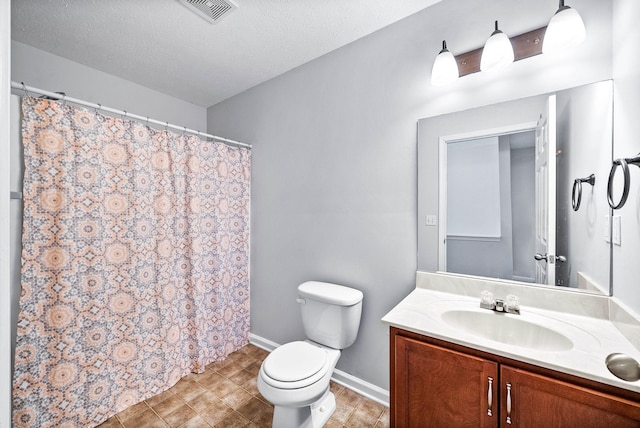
x: 123, y: 113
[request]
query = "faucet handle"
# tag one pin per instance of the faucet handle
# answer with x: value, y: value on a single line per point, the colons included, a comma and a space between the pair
x: 512, y: 304
x: 486, y: 300
x: 486, y: 297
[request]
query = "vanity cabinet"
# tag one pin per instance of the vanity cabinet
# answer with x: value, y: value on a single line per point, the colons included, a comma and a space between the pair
x: 435, y: 383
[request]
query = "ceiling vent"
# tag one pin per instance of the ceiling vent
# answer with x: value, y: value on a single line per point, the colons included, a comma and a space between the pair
x: 211, y: 10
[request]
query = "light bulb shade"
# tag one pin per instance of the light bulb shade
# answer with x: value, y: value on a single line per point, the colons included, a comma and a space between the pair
x: 565, y: 30
x: 497, y: 52
x: 445, y: 69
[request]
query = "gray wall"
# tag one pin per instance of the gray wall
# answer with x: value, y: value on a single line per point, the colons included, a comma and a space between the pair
x: 334, y: 155
x: 44, y: 70
x: 584, y: 130
x: 626, y: 74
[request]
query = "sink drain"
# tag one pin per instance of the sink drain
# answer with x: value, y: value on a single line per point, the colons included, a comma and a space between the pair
x: 623, y: 366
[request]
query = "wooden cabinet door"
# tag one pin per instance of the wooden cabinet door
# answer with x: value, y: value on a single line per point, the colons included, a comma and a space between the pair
x: 437, y: 387
x: 539, y: 401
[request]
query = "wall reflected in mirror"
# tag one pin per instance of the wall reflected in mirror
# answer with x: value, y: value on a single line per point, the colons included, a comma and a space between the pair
x: 500, y: 183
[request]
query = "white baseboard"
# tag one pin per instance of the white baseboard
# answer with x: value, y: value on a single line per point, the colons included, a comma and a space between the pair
x: 345, y: 379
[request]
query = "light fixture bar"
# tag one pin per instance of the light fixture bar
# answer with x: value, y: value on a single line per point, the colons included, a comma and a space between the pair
x: 524, y: 46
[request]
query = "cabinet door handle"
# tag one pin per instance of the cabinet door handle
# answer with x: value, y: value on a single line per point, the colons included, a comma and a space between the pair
x: 490, y: 397
x: 508, y: 403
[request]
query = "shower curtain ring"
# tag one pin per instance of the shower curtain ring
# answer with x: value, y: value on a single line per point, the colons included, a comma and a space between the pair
x: 24, y: 88
x: 124, y: 115
x: 95, y: 110
x: 64, y: 99
x: 166, y: 126
x: 147, y: 121
x: 185, y: 130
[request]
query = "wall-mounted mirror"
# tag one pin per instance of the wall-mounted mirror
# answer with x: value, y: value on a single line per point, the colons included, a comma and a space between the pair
x: 506, y: 191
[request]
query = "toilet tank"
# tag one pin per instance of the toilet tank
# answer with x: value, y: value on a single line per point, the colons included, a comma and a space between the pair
x: 330, y: 313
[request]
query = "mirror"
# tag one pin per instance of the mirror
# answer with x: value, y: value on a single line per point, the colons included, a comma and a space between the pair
x: 505, y: 191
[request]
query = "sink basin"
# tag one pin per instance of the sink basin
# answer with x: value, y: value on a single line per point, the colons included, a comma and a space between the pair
x: 507, y: 329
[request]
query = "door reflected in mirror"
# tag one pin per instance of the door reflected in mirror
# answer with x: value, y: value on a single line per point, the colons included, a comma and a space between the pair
x: 505, y: 190
x: 490, y: 207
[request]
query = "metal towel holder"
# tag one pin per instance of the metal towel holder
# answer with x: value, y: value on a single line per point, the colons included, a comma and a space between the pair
x: 624, y: 164
x: 577, y: 184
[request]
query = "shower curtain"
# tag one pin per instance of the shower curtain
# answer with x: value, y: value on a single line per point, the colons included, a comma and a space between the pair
x: 135, y: 262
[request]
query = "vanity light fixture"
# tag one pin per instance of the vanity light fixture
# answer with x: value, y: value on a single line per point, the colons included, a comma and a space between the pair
x: 445, y: 67
x: 497, y: 52
x: 565, y: 30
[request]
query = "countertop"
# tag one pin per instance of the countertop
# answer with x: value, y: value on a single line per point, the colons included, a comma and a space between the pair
x: 593, y: 337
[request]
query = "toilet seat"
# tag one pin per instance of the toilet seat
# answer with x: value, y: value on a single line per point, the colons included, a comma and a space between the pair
x: 295, y: 365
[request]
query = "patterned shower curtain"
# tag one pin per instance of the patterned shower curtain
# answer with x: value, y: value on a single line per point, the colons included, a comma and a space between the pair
x: 135, y: 262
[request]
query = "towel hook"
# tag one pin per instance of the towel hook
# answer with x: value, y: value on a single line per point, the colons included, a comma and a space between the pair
x: 624, y: 164
x: 577, y: 185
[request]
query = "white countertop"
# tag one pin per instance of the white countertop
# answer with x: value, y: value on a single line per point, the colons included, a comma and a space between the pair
x: 594, y: 338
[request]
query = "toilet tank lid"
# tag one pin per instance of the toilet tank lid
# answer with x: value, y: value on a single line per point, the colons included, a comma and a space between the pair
x: 330, y: 293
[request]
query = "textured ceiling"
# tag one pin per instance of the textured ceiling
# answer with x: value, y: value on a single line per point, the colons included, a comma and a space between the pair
x: 164, y: 46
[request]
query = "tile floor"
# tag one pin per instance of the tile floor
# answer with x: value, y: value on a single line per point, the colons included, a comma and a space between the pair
x: 226, y: 395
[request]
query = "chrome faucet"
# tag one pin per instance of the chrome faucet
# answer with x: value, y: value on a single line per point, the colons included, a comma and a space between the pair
x: 511, y: 304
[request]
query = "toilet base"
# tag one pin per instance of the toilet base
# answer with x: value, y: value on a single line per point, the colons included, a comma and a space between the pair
x: 315, y: 415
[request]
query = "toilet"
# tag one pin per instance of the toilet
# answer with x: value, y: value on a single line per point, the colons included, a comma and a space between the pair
x: 295, y: 376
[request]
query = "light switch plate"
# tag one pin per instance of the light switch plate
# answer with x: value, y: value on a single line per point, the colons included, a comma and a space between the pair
x: 617, y: 230
x: 607, y: 228
x: 431, y: 220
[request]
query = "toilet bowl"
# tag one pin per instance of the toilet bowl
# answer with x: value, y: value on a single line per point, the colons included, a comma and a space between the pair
x: 295, y: 376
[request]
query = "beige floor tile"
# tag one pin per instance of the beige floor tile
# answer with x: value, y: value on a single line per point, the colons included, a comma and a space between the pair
x: 264, y: 419
x: 343, y: 412
x: 230, y: 370
x: 146, y: 419
x: 241, y: 377
x: 196, y: 422
x: 336, y: 388
x: 157, y: 399
x: 361, y: 418
x: 385, y: 419
x: 191, y: 392
x: 233, y: 420
x: 219, y: 385
x: 179, y: 416
x: 168, y: 405
x: 236, y: 398
x: 203, y: 400
x: 183, y: 384
x: 349, y: 397
x: 253, y: 408
x: 251, y: 386
x: 213, y: 411
x: 132, y: 411
x: 371, y: 407
x: 254, y: 368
